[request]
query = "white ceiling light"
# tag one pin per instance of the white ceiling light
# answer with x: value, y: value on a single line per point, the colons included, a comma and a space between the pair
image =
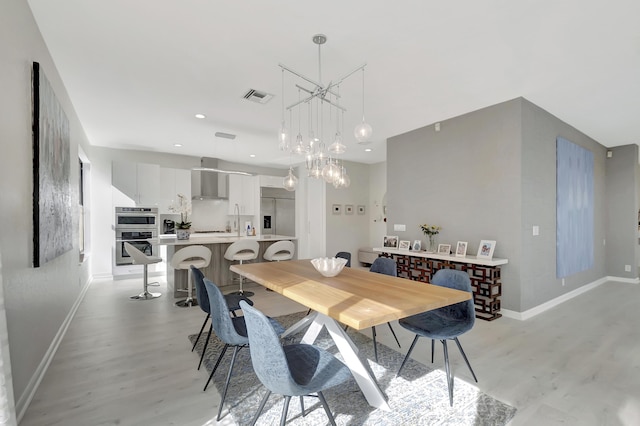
x: 177, y: 145
x: 368, y: 150
x: 318, y: 159
x: 252, y: 155
x: 201, y: 116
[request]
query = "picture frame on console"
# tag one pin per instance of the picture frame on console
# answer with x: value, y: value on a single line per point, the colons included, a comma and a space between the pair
x: 444, y: 249
x: 417, y: 245
x: 485, y: 249
x: 404, y: 245
x: 461, y: 249
x: 390, y: 241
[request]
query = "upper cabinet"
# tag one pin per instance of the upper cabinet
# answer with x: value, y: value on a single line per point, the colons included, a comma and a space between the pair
x: 271, y: 181
x: 243, y: 191
x: 172, y: 183
x: 138, y: 181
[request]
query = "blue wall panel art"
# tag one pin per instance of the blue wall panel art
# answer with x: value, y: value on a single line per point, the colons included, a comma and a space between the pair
x: 574, y: 208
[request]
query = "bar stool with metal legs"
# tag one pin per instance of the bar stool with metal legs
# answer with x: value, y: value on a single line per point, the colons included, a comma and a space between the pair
x: 240, y: 251
x: 281, y: 250
x: 198, y: 256
x: 139, y: 258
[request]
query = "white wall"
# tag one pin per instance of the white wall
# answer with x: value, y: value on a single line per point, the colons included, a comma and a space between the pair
x: 38, y: 301
x: 348, y: 232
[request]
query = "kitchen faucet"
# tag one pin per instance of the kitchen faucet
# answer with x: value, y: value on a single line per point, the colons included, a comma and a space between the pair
x: 236, y: 210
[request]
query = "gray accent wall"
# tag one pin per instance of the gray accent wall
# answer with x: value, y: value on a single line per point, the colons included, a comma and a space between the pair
x: 622, y: 209
x: 491, y: 174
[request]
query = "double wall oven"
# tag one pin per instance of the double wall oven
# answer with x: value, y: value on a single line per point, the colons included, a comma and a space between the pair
x: 139, y: 227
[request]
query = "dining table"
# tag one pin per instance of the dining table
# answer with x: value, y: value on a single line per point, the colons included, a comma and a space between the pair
x: 355, y: 297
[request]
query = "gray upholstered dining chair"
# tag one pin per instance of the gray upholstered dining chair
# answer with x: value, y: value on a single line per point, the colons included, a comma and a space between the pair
x: 202, y: 296
x: 446, y: 323
x: 290, y: 370
x: 232, y: 331
x: 383, y: 265
x: 345, y: 255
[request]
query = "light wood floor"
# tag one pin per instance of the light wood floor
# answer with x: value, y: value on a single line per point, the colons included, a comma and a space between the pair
x: 127, y: 362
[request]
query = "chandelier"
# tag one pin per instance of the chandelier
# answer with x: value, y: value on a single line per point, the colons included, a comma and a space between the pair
x: 317, y: 105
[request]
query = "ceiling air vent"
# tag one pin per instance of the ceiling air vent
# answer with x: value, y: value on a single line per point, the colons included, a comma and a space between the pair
x: 257, y: 96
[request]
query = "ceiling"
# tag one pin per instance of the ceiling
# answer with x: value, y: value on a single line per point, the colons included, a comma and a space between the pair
x: 138, y: 71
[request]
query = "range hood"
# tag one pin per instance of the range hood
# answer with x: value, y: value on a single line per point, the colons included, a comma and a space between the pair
x: 209, y: 181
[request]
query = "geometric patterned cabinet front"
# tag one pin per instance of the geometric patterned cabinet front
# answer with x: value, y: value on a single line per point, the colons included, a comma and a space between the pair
x: 485, y: 276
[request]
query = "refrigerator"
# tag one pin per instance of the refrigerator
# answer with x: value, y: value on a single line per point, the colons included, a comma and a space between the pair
x: 277, y: 212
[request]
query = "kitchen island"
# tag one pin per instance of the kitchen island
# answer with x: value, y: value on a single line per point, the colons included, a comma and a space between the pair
x: 218, y: 269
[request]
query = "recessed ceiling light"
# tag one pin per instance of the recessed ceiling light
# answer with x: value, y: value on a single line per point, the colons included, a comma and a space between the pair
x: 252, y: 155
x: 177, y: 145
x: 368, y: 150
x: 201, y: 116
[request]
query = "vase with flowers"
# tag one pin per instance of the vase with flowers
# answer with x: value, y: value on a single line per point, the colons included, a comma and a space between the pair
x: 182, y: 206
x: 431, y: 231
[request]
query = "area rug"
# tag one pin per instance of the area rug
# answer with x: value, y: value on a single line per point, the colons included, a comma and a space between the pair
x: 418, y: 397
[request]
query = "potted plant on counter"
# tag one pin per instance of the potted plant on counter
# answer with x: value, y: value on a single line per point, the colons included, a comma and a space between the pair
x: 182, y: 206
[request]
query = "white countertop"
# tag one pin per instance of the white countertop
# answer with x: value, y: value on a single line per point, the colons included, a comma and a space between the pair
x: 452, y: 258
x: 217, y: 238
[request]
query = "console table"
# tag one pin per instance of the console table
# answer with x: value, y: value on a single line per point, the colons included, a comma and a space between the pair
x: 484, y: 274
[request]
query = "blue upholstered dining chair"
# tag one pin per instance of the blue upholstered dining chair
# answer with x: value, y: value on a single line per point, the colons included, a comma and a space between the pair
x: 446, y: 323
x: 290, y: 370
x: 232, y: 331
x: 383, y: 265
x: 202, y: 296
x: 345, y: 255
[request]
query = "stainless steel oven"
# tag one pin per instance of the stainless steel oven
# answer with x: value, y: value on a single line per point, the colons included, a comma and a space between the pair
x: 144, y: 240
x: 139, y: 227
x: 137, y: 218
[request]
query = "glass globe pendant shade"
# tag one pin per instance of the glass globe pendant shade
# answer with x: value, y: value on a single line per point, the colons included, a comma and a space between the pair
x: 290, y: 181
x: 299, y: 148
x: 316, y: 169
x: 330, y: 171
x: 337, y: 147
x: 363, y: 132
x: 283, y: 138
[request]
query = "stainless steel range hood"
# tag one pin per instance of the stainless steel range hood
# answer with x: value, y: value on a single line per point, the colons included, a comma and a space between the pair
x: 209, y: 181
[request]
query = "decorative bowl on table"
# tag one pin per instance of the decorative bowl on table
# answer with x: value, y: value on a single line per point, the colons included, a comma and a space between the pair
x: 329, y: 266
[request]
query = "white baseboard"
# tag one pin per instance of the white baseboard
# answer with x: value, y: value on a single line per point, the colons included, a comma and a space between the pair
x: 530, y: 313
x: 32, y: 386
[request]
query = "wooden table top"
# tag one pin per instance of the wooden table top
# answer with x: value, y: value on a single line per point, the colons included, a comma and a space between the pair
x: 356, y: 297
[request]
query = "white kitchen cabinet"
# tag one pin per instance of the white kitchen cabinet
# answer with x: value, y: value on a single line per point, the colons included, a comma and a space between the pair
x: 172, y: 183
x: 271, y: 181
x: 242, y: 191
x: 138, y: 181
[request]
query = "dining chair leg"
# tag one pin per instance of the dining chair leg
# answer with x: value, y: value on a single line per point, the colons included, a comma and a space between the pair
x: 415, y: 339
x: 285, y: 408
x: 226, y: 385
x: 465, y: 358
x: 326, y: 408
x: 375, y: 346
x: 394, y: 334
x: 204, y: 349
x: 447, y: 368
x: 261, y: 407
x: 433, y: 346
x: 200, y: 334
x: 215, y: 367
x: 302, y: 405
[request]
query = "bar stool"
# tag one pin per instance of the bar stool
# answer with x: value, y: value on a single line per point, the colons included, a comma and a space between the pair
x: 139, y: 258
x: 240, y: 251
x: 281, y: 250
x: 198, y: 256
